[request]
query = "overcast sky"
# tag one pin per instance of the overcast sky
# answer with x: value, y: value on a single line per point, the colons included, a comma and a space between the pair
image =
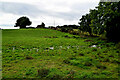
x: 60, y: 12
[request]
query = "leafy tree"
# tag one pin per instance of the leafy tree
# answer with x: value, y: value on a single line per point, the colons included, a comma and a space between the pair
x: 110, y: 18
x: 103, y: 19
x: 96, y: 24
x: 82, y: 23
x: 85, y: 22
x: 113, y: 23
x: 22, y: 22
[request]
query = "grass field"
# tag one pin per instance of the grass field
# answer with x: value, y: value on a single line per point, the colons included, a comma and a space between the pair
x: 45, y: 53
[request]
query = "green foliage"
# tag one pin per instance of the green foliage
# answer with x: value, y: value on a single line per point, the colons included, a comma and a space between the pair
x: 22, y: 22
x: 103, y: 19
x: 85, y: 24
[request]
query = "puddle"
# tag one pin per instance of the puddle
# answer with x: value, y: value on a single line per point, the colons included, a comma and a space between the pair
x: 51, y: 48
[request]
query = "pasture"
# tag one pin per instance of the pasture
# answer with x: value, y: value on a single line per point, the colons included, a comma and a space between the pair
x: 46, y: 53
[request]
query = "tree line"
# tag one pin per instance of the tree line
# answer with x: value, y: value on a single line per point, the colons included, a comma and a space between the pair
x: 104, y: 19
x: 24, y: 21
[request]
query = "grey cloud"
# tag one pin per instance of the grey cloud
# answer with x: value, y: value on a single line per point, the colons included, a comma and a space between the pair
x: 20, y: 9
x: 33, y: 11
x: 77, y: 10
x: 72, y: 15
x: 83, y: 6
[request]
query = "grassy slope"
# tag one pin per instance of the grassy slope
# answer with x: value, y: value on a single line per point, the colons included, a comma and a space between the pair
x: 27, y: 54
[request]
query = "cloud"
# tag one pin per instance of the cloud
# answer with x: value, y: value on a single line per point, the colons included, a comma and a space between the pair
x: 48, y: 11
x: 19, y: 8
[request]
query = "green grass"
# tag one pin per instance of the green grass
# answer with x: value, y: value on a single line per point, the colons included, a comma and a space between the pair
x: 45, y: 53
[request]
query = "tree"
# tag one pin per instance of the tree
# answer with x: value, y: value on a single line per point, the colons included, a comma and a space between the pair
x: 82, y: 23
x: 22, y: 22
x: 110, y: 16
x: 113, y: 23
x: 104, y: 19
x: 85, y: 22
x: 41, y: 26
